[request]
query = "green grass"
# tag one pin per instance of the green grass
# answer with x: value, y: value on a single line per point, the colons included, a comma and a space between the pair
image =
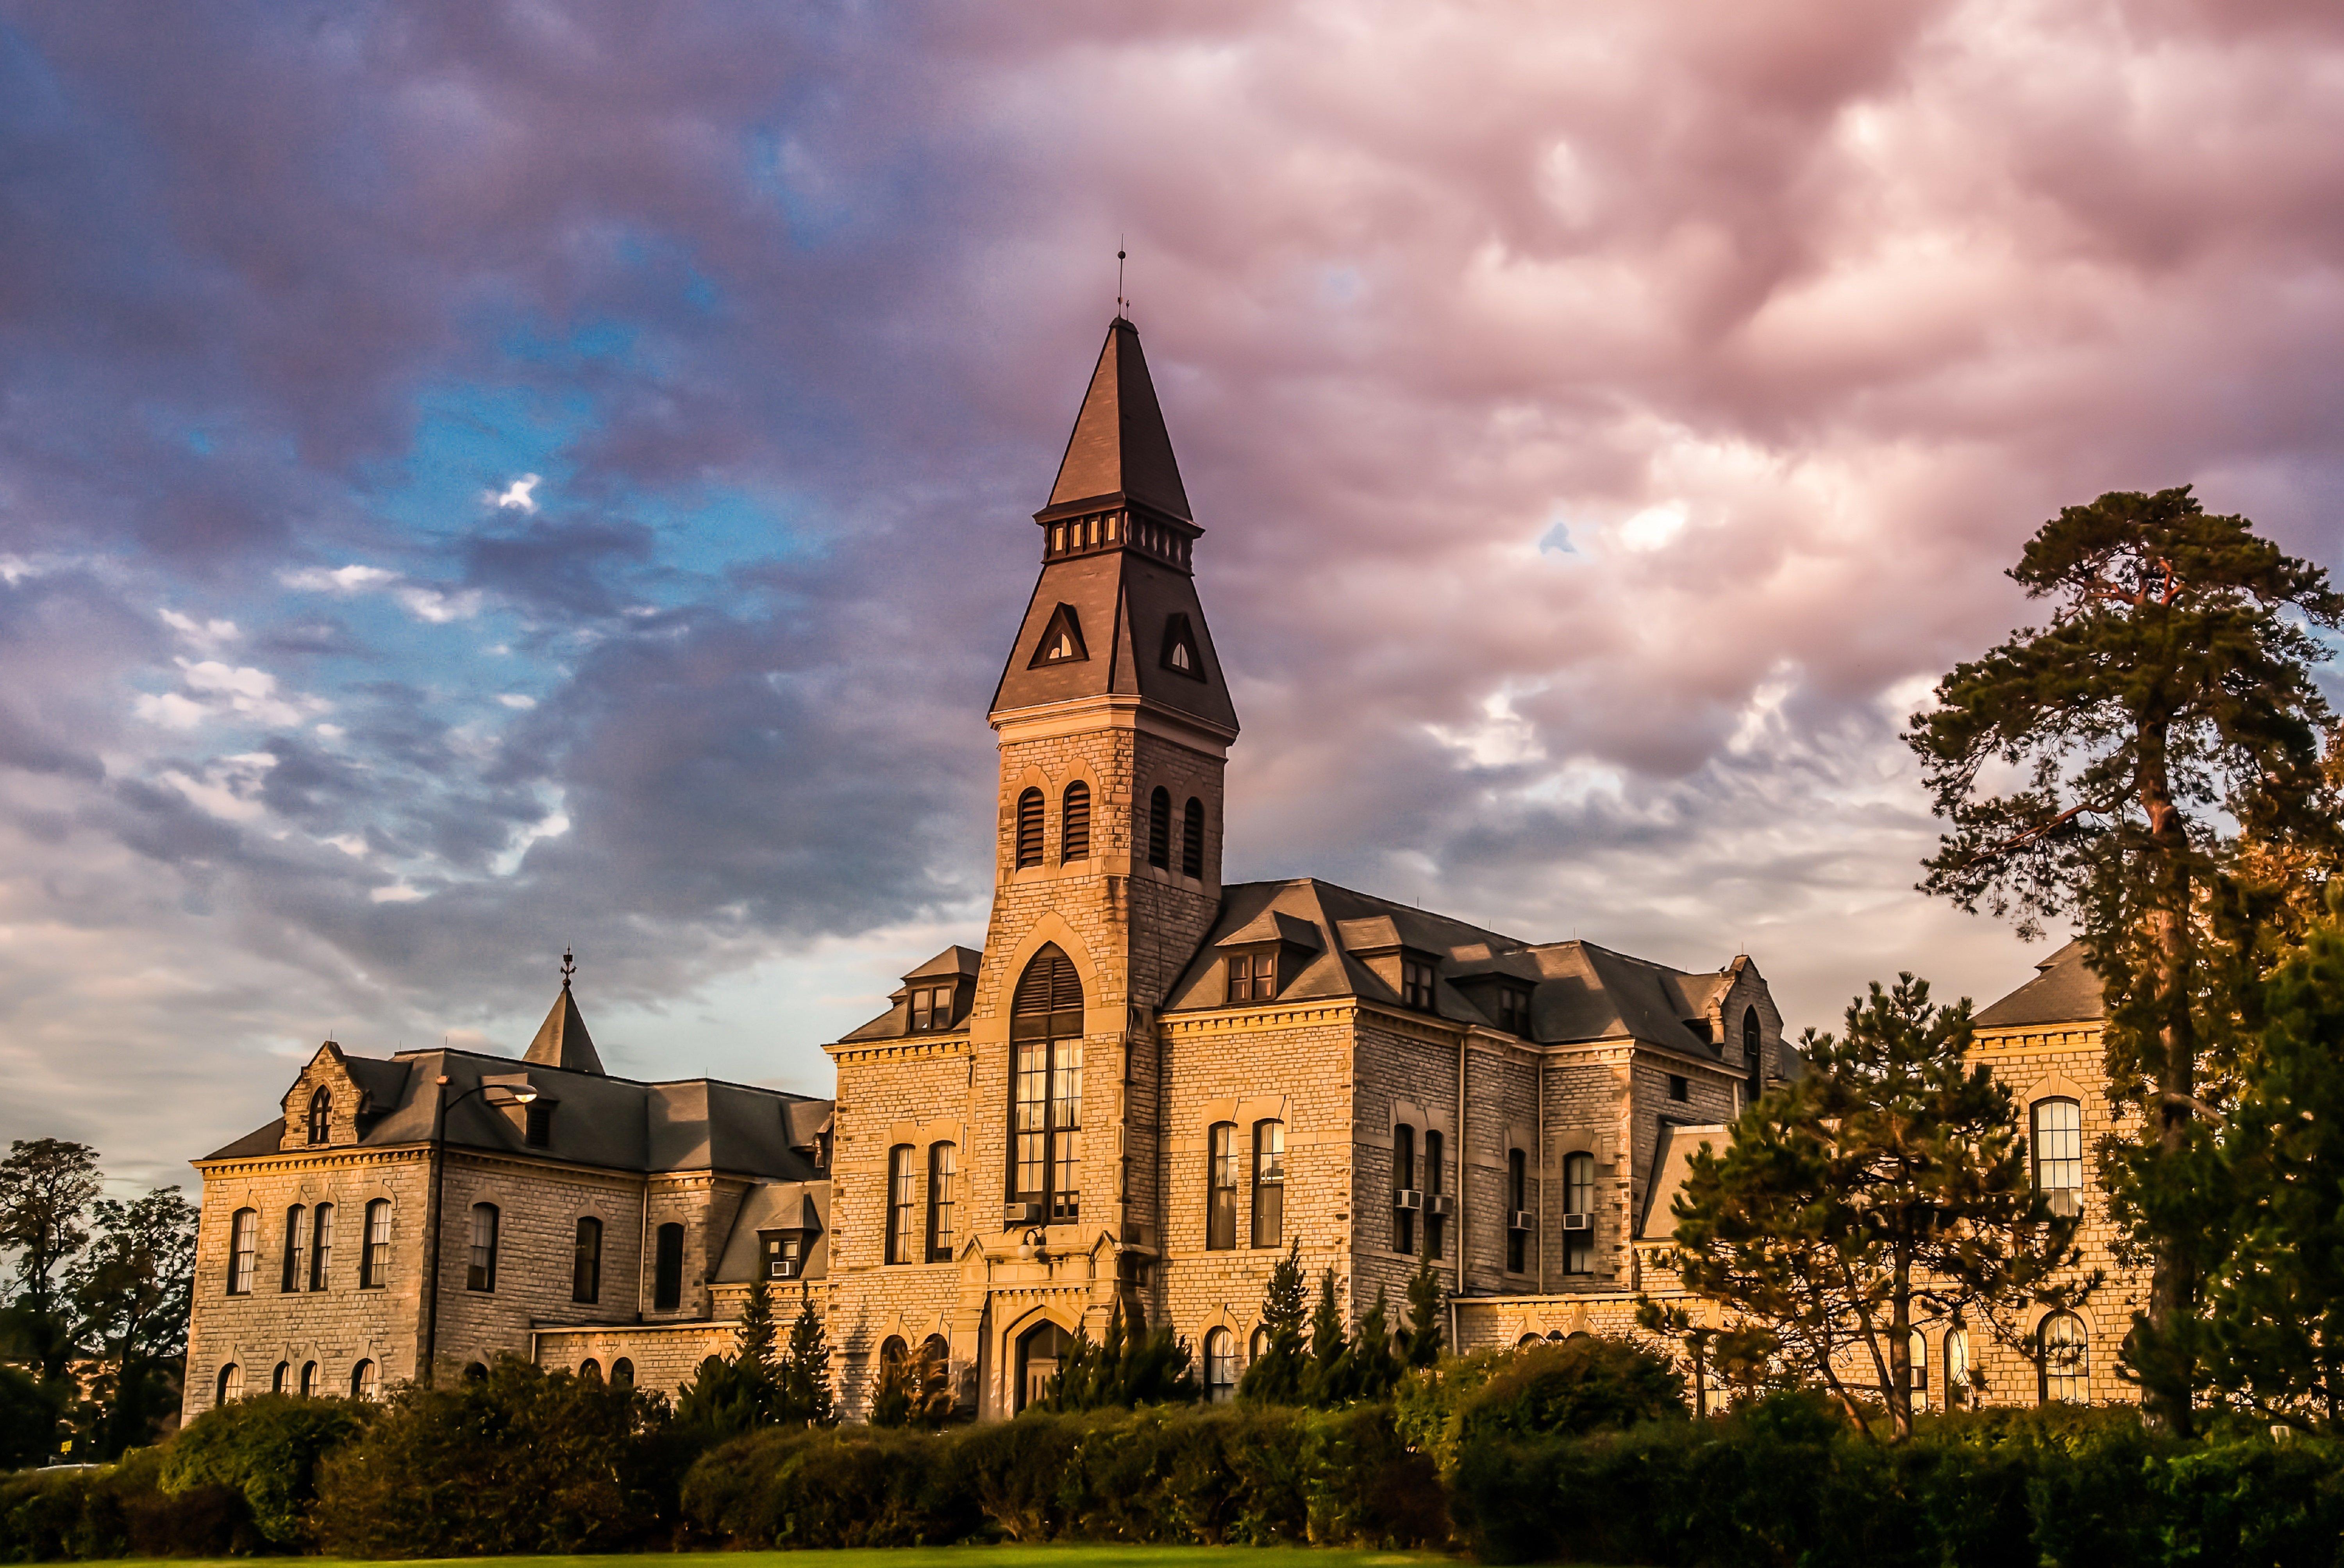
x: 1073, y: 1556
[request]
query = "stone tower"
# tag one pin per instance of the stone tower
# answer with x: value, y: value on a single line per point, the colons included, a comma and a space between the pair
x: 1114, y: 723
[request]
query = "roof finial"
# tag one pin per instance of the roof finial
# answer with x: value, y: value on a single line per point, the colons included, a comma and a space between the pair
x: 1121, y: 304
x: 569, y: 966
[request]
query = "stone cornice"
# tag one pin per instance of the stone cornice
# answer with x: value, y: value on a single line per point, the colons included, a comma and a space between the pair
x: 308, y: 1158
x: 902, y: 1048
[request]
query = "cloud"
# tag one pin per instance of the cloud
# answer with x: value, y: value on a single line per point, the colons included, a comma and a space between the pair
x: 516, y: 496
x: 232, y: 692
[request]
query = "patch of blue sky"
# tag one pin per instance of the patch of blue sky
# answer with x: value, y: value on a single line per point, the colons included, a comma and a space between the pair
x: 1556, y: 540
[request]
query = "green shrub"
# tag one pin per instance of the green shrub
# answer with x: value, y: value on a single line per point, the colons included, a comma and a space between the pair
x: 521, y: 1461
x: 1580, y: 1385
x: 119, y: 1511
x: 267, y: 1449
x: 797, y: 1489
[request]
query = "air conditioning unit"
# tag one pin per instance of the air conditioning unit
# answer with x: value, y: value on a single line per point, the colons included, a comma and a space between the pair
x: 785, y: 1268
x: 2066, y: 1201
x: 1407, y: 1197
x: 1522, y: 1219
x: 1579, y: 1222
x: 1441, y: 1203
x: 1021, y: 1214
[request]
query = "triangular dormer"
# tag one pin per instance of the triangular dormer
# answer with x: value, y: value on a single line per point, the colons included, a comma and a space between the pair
x: 1062, y: 640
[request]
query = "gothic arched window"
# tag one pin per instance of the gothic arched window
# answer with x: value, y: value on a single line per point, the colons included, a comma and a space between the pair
x: 1029, y: 829
x: 1045, y: 1090
x: 2057, y: 1127
x: 1074, y: 823
x: 1753, y: 1052
x: 1159, y: 829
x: 321, y: 1116
x: 1220, y: 1365
x: 2066, y: 1358
x: 1192, y: 838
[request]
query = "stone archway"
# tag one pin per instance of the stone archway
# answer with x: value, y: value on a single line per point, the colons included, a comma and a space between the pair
x: 1039, y: 1348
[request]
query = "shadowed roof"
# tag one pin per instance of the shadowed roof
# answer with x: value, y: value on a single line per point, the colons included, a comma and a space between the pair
x: 1119, y: 445
x: 2065, y: 990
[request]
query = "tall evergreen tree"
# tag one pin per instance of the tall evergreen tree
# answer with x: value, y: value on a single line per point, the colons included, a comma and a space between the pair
x: 1424, y: 1336
x: 2166, y: 717
x: 1279, y: 1376
x: 1323, y: 1381
x: 757, y: 1332
x: 806, y: 1398
x: 1892, y: 1175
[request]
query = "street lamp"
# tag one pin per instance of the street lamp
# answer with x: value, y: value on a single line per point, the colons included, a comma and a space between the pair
x: 515, y: 1094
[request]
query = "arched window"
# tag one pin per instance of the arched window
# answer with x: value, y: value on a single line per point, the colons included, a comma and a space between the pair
x: 903, y: 1193
x: 1919, y: 1357
x: 1159, y: 829
x: 1046, y: 1087
x: 308, y: 1380
x: 1579, y: 1213
x: 2066, y: 1358
x: 321, y: 1116
x: 374, y: 1255
x: 1221, y: 1187
x: 243, y: 1249
x: 366, y: 1381
x: 1075, y: 823
x: 1436, y: 1224
x: 944, y: 1201
x: 1957, y: 1368
x: 1406, y: 1197
x: 1220, y: 1365
x: 296, y: 1248
x: 282, y: 1379
x: 1192, y: 838
x: 586, y: 1261
x: 894, y: 1352
x: 1517, y: 1216
x: 667, y: 1269
x: 1268, y: 1183
x: 1754, y: 1052
x: 481, y: 1273
x: 1257, y: 1346
x: 2057, y: 1127
x: 231, y: 1384
x: 1029, y: 828
x: 589, y: 1371
x: 321, y: 1246
x: 477, y: 1373
x: 623, y: 1373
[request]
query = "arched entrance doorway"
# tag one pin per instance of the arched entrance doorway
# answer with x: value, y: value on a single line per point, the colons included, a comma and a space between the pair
x: 1038, y: 1350
x: 1045, y: 1090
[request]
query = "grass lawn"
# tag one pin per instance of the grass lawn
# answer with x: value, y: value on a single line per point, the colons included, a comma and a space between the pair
x: 1073, y: 1556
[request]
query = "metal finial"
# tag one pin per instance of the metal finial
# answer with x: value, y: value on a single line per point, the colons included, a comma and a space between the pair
x: 1120, y: 302
x: 568, y: 966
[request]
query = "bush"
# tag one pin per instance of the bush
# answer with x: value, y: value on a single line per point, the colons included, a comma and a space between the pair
x: 267, y: 1449
x: 813, y: 1489
x: 1580, y: 1385
x: 521, y: 1461
x: 118, y: 1511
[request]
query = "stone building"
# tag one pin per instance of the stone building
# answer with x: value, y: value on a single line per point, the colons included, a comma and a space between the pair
x: 1145, y: 1085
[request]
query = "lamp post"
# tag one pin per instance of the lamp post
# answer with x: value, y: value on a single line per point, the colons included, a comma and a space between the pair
x: 516, y: 1095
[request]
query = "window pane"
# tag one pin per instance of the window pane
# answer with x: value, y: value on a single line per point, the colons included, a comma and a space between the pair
x: 321, y: 1257
x: 586, y: 1262
x: 296, y: 1248
x: 944, y: 1200
x: 374, y: 1262
x: 1030, y: 1116
x: 1268, y: 1183
x: 1221, y: 1184
x: 481, y: 1274
x: 2059, y: 1140
x: 1065, y: 1126
x: 243, y: 1249
x: 901, y: 1194
x: 2065, y: 1372
x: 667, y: 1281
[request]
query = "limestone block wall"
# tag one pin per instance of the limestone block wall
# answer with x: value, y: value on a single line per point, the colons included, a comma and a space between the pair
x: 1587, y: 1112
x: 915, y: 1091
x: 1407, y: 1074
x: 665, y: 1356
x: 1713, y: 1097
x: 325, y: 1070
x: 1501, y: 1116
x: 336, y: 1326
x: 539, y: 1204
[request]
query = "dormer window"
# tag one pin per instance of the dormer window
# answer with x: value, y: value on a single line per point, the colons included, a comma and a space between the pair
x: 1062, y: 640
x: 1253, y: 976
x: 537, y: 1130
x: 932, y: 1007
x: 1416, y: 983
x: 1513, y: 1009
x: 321, y: 1114
x: 1180, y: 654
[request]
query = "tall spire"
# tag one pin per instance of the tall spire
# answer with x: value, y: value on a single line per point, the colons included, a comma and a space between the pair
x: 563, y: 1040
x: 1119, y: 446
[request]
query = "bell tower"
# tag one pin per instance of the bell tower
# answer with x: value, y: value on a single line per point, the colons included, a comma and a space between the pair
x: 1114, y: 725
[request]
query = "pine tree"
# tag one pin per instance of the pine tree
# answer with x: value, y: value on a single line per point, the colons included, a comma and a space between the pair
x: 2168, y: 732
x: 1323, y: 1381
x: 1892, y: 1176
x: 1278, y: 1375
x: 1369, y: 1371
x: 1424, y: 1313
x: 806, y: 1398
x: 757, y: 1329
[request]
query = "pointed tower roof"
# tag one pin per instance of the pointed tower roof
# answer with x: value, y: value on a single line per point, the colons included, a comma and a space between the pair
x: 1119, y: 446
x: 563, y: 1040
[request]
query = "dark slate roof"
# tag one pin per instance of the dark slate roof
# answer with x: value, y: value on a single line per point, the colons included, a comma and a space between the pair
x: 1671, y: 1159
x: 1579, y: 991
x: 958, y: 962
x: 1118, y: 445
x: 690, y: 1124
x: 563, y: 1040
x: 954, y: 960
x: 1124, y: 601
x: 2065, y: 990
x: 777, y: 1206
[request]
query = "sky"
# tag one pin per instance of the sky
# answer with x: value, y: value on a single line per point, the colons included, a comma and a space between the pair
x: 482, y: 478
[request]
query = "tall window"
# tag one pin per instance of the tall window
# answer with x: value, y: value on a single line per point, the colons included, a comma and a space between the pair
x: 2065, y: 1356
x: 1220, y: 1365
x: 537, y: 1123
x: 321, y: 1246
x: 231, y: 1384
x: 1268, y: 1183
x: 1221, y: 1187
x: 1416, y: 984
x: 282, y: 1379
x: 1253, y: 976
x: 1045, y: 1036
x: 243, y: 1249
x: 321, y: 1116
x: 1435, y: 1223
x: 308, y: 1380
x: 1029, y: 828
x: 296, y: 1248
x: 667, y: 1272
x: 1075, y: 823
x: 374, y: 1257
x: 902, y: 1192
x: 1919, y: 1357
x: 623, y: 1373
x: 1403, y: 1188
x: 366, y: 1381
x: 482, y: 1273
x: 1957, y: 1367
x: 1754, y: 1052
x: 1159, y: 829
x: 944, y: 1201
x: 2058, y: 1127
x: 586, y: 1261
x: 1192, y: 838
x: 1579, y: 1203
x: 1517, y: 1202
